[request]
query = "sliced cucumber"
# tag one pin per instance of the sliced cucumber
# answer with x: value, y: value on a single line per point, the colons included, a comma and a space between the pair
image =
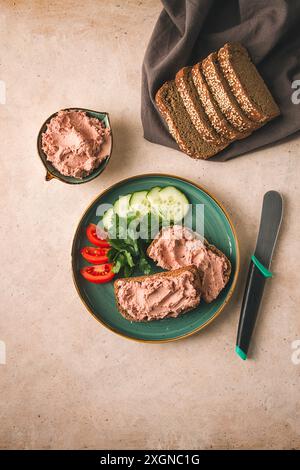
x: 121, y: 206
x: 154, y: 199
x: 139, y: 203
x: 173, y: 205
x: 108, y: 219
x: 168, y: 203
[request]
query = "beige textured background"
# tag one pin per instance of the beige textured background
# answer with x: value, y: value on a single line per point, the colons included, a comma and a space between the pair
x: 68, y: 382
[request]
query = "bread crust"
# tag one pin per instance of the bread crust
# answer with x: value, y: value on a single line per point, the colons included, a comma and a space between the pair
x: 203, y: 126
x: 215, y: 115
x: 173, y: 129
x: 230, y: 112
x: 218, y: 252
x: 213, y: 248
x: 225, y: 58
x: 176, y: 272
x: 223, y: 95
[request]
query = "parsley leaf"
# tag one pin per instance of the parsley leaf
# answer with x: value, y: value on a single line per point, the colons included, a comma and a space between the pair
x: 126, y: 251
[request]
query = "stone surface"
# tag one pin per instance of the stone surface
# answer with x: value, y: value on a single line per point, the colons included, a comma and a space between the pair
x: 68, y: 382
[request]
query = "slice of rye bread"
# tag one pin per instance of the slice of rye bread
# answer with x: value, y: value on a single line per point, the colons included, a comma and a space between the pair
x: 246, y: 83
x: 190, y: 98
x: 214, y: 249
x: 165, y: 274
x: 172, y: 109
x: 215, y: 115
x: 223, y: 95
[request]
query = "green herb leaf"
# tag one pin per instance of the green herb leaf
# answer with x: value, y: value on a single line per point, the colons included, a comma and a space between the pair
x: 120, y: 261
x: 144, y: 266
x: 111, y: 254
x: 127, y: 271
x: 129, y: 259
x: 117, y: 244
x: 126, y: 252
x: 116, y: 267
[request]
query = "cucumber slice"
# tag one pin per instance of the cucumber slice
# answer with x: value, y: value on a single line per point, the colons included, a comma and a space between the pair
x: 153, y: 198
x: 139, y: 203
x: 108, y: 219
x: 174, y: 205
x: 121, y: 206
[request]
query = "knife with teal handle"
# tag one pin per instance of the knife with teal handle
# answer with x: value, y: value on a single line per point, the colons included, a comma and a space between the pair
x: 259, y: 270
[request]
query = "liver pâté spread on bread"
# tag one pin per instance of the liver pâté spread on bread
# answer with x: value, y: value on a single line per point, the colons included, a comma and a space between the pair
x: 178, y: 246
x: 217, y: 101
x: 73, y: 143
x: 158, y: 296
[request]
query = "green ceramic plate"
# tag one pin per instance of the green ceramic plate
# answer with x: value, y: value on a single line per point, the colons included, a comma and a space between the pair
x: 51, y: 172
x: 99, y: 299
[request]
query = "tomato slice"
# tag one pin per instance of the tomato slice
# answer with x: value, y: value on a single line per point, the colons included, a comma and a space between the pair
x: 91, y: 234
x: 95, y: 254
x: 98, y: 274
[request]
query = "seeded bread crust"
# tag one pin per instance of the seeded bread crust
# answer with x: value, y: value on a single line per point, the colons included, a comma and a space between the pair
x: 211, y: 107
x: 189, y: 95
x: 226, y: 58
x: 221, y: 91
x: 170, y: 274
x: 213, y: 248
x: 185, y: 134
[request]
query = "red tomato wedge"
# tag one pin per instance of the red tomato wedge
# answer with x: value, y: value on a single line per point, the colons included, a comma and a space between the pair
x: 95, y: 254
x: 91, y: 234
x: 98, y: 274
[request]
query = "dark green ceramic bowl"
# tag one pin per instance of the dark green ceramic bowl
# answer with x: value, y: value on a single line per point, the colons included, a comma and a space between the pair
x: 99, y: 299
x: 51, y: 172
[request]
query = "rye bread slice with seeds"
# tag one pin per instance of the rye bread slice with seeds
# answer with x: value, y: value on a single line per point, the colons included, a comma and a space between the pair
x: 246, y: 83
x: 223, y: 95
x: 195, y: 281
x: 190, y: 98
x: 172, y: 109
x: 216, y: 117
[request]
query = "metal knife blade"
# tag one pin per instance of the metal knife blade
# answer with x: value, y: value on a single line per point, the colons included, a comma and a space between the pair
x: 271, y: 217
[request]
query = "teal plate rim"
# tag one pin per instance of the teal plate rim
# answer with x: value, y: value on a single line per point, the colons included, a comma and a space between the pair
x: 233, y: 283
x: 51, y: 172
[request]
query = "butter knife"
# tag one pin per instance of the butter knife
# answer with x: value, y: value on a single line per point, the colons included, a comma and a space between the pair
x: 259, y: 269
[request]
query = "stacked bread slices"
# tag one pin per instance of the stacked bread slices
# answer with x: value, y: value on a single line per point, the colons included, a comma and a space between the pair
x: 215, y: 102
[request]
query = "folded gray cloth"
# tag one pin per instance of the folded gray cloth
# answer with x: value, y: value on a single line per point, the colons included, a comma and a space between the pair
x: 187, y: 31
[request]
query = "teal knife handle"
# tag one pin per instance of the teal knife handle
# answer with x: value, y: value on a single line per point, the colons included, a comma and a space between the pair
x: 250, y: 307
